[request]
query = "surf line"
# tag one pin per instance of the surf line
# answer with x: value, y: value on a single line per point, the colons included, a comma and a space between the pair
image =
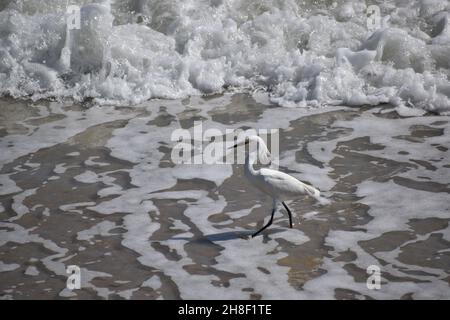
x: 190, y: 310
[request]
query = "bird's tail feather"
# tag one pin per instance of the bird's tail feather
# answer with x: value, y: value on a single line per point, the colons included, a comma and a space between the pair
x: 313, y: 192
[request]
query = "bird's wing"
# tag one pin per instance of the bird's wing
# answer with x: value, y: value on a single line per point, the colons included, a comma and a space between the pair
x: 284, y: 184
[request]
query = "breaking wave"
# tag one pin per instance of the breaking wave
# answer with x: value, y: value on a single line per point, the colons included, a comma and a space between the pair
x: 303, y: 53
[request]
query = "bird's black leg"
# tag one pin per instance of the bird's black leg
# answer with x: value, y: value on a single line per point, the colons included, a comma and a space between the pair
x: 268, y: 224
x: 289, y: 213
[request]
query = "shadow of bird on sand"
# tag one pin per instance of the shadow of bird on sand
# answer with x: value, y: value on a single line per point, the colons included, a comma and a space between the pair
x: 226, y: 236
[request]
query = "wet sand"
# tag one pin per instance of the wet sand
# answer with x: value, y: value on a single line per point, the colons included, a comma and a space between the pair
x: 96, y: 187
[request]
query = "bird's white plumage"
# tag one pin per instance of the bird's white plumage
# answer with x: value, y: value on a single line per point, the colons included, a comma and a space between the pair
x: 282, y: 186
x: 277, y: 184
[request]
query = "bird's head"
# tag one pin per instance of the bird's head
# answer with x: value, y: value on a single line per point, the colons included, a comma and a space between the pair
x: 249, y: 139
x: 256, y: 144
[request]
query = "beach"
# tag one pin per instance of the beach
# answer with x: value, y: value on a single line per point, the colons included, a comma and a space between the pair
x: 96, y: 187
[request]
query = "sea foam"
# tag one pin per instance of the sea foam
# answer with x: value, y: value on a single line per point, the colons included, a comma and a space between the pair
x: 303, y: 53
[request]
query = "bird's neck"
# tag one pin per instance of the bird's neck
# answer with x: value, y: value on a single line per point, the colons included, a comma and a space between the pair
x: 250, y: 159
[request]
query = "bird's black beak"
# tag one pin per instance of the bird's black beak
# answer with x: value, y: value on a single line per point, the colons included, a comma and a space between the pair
x: 236, y: 145
x: 240, y: 143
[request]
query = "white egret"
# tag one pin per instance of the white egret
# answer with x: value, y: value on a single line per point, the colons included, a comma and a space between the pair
x: 279, y: 185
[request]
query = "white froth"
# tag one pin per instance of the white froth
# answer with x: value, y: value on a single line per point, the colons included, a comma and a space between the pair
x: 8, y: 186
x: 393, y: 205
x: 101, y: 229
x: 304, y: 53
x: 4, y: 267
x: 87, y: 177
x: 31, y: 271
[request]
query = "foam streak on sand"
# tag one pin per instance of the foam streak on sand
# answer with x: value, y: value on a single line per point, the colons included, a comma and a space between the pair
x: 302, y: 52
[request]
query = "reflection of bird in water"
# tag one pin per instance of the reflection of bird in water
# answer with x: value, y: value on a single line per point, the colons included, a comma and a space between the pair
x: 279, y: 185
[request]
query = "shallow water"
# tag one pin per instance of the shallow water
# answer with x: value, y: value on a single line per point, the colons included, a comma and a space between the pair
x: 95, y: 187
